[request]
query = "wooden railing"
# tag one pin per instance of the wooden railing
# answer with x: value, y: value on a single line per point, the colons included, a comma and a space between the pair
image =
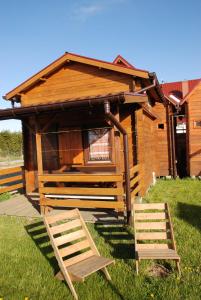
x: 94, y: 195
x: 135, y: 180
x: 11, y: 179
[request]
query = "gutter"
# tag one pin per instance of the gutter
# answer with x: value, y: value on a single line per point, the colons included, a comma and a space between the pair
x: 112, y: 118
x: 23, y: 112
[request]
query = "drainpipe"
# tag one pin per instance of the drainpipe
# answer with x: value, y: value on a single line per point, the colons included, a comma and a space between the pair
x: 146, y: 88
x: 112, y: 118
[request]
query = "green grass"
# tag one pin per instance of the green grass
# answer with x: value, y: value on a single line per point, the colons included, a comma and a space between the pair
x: 4, y: 197
x: 27, y: 263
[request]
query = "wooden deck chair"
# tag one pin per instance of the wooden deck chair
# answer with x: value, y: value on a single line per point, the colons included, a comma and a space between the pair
x: 74, y: 248
x: 154, y: 237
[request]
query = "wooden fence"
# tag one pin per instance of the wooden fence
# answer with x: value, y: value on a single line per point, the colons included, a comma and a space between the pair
x: 95, y: 196
x: 11, y: 179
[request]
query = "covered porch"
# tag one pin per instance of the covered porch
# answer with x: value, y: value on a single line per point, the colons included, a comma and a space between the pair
x: 80, y: 153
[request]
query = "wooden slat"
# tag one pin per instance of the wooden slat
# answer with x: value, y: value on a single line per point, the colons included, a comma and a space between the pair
x: 89, y: 266
x: 82, y: 191
x: 146, y: 206
x: 134, y: 169
x: 81, y: 178
x: 74, y: 248
x: 152, y: 236
x: 66, y: 226
x: 151, y: 225
x: 11, y: 179
x: 62, y: 216
x: 158, y: 254
x: 67, y: 238
x: 78, y: 258
x: 84, y: 203
x: 151, y: 246
x: 135, y: 180
x: 150, y: 216
x: 11, y: 170
x: 11, y: 188
x: 136, y: 190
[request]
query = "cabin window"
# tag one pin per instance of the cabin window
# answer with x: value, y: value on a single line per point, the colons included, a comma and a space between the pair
x: 99, y: 148
x: 197, y: 124
x: 161, y: 126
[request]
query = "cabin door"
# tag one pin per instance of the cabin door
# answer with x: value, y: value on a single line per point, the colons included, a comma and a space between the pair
x: 70, y: 147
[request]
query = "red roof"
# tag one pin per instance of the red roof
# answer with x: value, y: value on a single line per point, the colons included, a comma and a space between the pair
x: 119, y: 60
x: 177, y: 88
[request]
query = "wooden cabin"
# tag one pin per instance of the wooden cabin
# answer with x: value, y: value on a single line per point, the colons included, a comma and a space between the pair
x: 89, y: 131
x: 179, y: 129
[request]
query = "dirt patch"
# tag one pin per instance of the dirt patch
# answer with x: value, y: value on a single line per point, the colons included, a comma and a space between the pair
x: 158, y: 271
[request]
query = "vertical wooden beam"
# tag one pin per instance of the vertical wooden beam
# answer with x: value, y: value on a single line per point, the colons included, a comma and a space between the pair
x: 118, y: 156
x: 140, y: 149
x: 39, y: 163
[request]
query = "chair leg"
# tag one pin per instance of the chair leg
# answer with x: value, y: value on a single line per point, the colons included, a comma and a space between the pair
x: 70, y: 285
x: 59, y: 276
x: 178, y: 267
x: 107, y: 275
x: 137, y: 266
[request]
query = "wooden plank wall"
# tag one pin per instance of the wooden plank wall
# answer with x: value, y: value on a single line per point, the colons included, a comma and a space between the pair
x: 194, y: 138
x: 162, y: 167
x: 76, y: 80
x: 146, y: 148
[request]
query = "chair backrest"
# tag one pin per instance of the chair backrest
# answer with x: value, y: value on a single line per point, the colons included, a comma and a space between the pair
x: 70, y: 237
x: 153, y: 227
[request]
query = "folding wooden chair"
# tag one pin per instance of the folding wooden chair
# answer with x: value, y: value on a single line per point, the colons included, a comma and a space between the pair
x: 74, y: 248
x: 152, y: 222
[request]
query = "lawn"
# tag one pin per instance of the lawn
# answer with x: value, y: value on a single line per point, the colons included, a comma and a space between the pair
x: 28, y: 264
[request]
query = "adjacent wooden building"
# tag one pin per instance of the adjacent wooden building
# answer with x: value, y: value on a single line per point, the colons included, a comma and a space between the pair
x: 89, y: 132
x: 179, y: 129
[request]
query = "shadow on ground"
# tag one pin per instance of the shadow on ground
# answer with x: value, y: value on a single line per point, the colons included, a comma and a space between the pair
x: 190, y: 213
x: 38, y: 234
x: 119, y: 238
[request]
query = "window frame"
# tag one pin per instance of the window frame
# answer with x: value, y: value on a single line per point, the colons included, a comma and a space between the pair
x: 87, y: 160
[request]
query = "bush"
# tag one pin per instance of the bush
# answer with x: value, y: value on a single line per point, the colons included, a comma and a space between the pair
x: 10, y: 143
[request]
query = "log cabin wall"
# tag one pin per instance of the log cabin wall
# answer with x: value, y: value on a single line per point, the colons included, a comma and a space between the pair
x: 75, y: 80
x: 162, y: 152
x: 146, y: 150
x: 194, y: 131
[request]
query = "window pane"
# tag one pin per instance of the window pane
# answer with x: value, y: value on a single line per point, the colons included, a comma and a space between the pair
x: 99, y: 149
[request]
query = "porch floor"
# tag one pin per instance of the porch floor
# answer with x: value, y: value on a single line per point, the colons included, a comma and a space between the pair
x: 28, y: 206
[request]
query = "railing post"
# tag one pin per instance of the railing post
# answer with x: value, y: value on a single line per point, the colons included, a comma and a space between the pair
x: 40, y: 165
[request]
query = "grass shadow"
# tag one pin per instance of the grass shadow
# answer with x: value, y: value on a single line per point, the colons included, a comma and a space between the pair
x: 190, y: 213
x: 119, y: 237
x: 39, y: 236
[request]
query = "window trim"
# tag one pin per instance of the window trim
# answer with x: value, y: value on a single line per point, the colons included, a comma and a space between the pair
x: 86, y: 149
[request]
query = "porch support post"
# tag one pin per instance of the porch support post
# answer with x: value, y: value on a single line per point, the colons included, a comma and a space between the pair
x: 39, y: 164
x: 115, y: 122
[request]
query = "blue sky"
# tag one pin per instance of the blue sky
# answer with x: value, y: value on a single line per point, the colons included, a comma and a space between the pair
x: 161, y: 36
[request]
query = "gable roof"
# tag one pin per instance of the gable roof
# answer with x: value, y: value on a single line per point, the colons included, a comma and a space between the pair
x: 119, y: 60
x: 178, y: 92
x: 66, y: 57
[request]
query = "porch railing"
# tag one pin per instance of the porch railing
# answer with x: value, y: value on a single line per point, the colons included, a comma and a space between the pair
x: 11, y: 179
x: 136, y: 178
x: 82, y: 190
